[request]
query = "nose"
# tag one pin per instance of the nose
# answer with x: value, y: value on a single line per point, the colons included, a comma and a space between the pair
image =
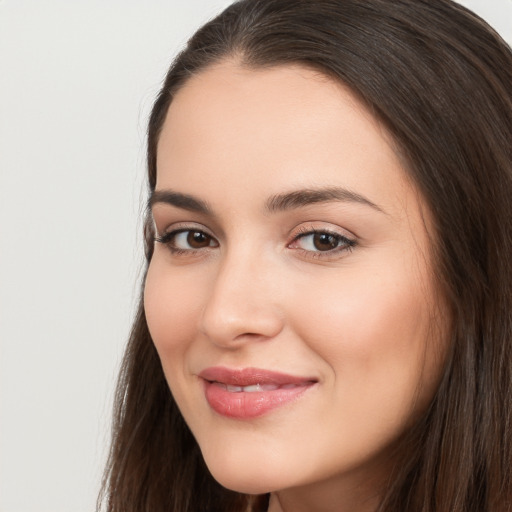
x: 243, y: 304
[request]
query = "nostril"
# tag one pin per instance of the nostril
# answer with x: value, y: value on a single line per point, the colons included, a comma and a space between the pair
x: 233, y: 322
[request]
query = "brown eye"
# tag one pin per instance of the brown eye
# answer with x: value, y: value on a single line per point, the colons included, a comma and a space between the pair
x: 198, y: 239
x: 183, y: 240
x: 318, y: 242
x: 325, y: 241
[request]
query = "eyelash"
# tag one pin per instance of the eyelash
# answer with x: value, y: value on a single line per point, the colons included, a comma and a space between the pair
x: 169, y: 239
x: 343, y: 243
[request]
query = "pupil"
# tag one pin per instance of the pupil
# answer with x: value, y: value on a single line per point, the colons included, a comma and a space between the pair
x: 325, y: 242
x: 197, y: 239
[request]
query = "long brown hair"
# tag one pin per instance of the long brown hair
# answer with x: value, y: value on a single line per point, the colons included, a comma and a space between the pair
x: 440, y: 80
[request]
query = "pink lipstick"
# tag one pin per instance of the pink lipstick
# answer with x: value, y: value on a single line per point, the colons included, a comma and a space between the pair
x: 250, y: 392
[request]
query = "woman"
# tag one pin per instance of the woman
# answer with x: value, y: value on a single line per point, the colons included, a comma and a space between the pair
x: 326, y: 316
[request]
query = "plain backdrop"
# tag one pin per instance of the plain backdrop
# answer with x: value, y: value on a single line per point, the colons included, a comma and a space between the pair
x: 77, y: 80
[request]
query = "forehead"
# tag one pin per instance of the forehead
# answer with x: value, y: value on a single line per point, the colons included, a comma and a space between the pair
x: 283, y: 127
x: 269, y: 100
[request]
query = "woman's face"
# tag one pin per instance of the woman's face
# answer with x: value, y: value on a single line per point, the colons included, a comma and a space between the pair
x: 290, y: 294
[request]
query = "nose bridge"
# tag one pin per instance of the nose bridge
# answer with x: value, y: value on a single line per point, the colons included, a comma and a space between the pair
x: 243, y: 303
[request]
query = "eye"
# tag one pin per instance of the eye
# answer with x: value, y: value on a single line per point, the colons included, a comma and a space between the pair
x: 187, y: 240
x: 317, y: 241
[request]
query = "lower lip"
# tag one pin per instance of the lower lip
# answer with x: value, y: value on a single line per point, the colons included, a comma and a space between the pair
x: 247, y: 405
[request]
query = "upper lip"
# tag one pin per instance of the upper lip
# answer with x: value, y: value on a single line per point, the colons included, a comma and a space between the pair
x: 251, y: 376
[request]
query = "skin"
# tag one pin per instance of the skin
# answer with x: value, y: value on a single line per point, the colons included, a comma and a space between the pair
x: 259, y: 293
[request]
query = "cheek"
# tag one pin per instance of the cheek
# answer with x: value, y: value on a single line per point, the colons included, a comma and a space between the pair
x: 363, y: 311
x: 172, y: 308
x: 374, y: 331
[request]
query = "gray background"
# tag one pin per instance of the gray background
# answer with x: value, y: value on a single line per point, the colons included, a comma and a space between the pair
x: 76, y: 82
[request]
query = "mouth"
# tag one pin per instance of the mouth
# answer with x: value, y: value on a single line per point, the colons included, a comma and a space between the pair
x: 251, y: 392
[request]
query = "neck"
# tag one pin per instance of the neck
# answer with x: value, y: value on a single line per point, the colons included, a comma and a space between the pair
x: 282, y: 503
x: 328, y: 496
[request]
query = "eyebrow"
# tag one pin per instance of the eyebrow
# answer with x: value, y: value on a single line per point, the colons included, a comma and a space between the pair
x: 184, y: 201
x: 280, y: 202
x: 305, y: 197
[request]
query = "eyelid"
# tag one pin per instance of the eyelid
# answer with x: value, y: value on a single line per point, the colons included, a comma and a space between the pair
x: 322, y: 227
x: 349, y: 241
x: 175, y: 232
x: 346, y: 240
x: 168, y: 238
x: 183, y: 226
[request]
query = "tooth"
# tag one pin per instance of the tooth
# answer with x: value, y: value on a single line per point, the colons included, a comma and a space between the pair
x: 252, y: 389
x: 260, y: 387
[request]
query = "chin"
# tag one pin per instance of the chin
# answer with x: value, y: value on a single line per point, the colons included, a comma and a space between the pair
x: 245, y: 477
x: 244, y: 483
x: 245, y: 487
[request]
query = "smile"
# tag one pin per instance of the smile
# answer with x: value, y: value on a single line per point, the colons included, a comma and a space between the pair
x: 254, y: 388
x: 250, y: 392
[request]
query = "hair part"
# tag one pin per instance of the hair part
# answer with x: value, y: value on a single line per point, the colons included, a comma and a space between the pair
x: 439, y: 79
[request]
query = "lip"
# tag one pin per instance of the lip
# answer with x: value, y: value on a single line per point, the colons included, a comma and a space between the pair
x: 268, y: 390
